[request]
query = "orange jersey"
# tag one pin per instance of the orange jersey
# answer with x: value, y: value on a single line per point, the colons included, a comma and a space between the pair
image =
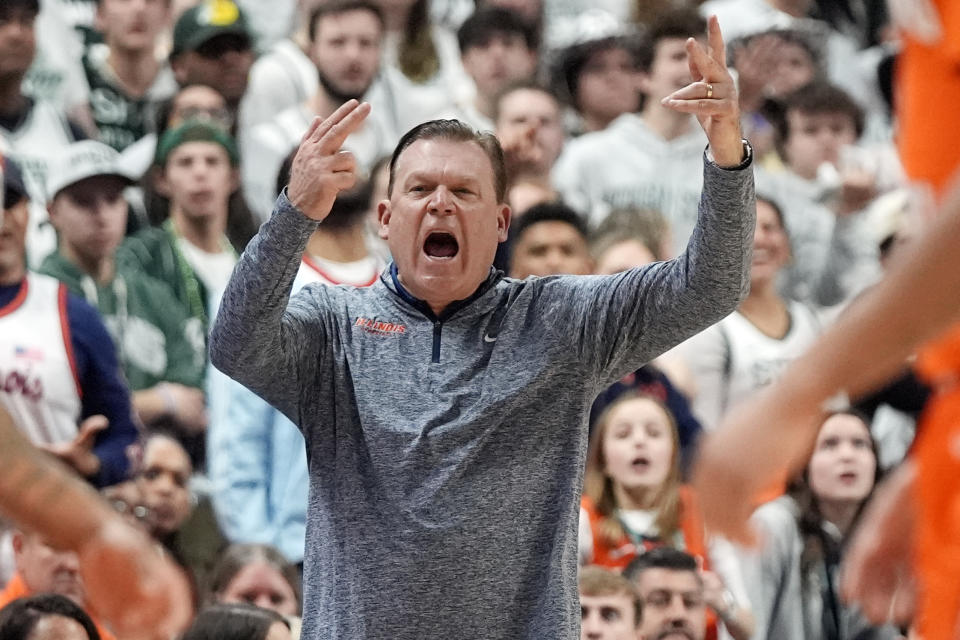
x: 928, y: 93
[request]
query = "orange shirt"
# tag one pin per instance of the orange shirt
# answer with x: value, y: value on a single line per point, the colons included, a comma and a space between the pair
x: 17, y: 589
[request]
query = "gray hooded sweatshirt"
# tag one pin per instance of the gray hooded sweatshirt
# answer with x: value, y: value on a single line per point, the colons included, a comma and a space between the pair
x: 446, y: 453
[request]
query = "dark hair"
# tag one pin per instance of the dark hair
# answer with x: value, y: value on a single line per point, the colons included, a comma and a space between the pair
x: 487, y: 22
x: 18, y: 618
x: 238, y: 556
x: 818, y: 547
x: 337, y: 7
x: 675, y: 23
x: 233, y: 622
x: 571, y: 62
x: 8, y: 5
x: 549, y: 212
x: 817, y: 97
x: 662, y: 557
x: 520, y: 85
x: 455, y: 131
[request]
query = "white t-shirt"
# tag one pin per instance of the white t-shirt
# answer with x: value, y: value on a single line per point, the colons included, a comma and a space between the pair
x: 213, y: 269
x: 733, y: 359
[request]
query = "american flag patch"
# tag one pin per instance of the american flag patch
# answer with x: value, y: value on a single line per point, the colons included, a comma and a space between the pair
x: 32, y: 354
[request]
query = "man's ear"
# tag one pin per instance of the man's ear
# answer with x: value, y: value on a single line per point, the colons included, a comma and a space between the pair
x: 160, y: 182
x: 179, y: 70
x: 383, y: 218
x: 234, y: 180
x: 503, y: 222
x: 17, y: 540
x: 52, y: 215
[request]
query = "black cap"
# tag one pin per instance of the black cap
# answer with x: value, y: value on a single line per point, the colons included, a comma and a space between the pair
x: 13, y: 188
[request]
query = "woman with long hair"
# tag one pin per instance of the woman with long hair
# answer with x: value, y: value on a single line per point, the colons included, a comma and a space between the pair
x: 634, y: 500
x: 422, y: 75
x: 792, y: 579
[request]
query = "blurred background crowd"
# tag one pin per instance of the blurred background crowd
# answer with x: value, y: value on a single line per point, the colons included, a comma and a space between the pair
x: 144, y: 141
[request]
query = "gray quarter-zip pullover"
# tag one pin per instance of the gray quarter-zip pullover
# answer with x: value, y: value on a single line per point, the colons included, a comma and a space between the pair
x: 446, y: 453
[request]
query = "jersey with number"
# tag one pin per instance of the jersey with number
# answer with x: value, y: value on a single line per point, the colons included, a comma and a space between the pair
x: 38, y: 380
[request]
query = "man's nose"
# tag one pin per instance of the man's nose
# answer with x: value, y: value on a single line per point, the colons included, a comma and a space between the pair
x: 591, y: 627
x: 441, y: 201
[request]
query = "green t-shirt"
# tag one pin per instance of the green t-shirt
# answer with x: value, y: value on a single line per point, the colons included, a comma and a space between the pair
x: 157, y: 341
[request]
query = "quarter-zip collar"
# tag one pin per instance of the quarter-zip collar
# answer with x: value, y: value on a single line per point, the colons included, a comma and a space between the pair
x: 397, y: 288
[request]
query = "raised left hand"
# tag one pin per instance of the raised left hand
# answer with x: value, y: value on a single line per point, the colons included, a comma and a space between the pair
x: 712, y: 97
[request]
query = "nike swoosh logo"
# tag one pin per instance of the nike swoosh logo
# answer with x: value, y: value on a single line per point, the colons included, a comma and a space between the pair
x: 487, y: 338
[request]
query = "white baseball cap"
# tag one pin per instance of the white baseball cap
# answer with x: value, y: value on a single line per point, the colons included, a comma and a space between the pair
x: 82, y: 160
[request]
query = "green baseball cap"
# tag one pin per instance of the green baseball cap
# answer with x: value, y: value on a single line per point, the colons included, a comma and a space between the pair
x: 208, y: 20
x: 195, y: 131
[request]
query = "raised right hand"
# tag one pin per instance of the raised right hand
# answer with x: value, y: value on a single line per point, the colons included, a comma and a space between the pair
x: 321, y: 169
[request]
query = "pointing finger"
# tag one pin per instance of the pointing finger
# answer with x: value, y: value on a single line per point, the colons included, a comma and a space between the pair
x: 333, y: 139
x: 695, y: 71
x: 335, y: 117
x: 717, y: 50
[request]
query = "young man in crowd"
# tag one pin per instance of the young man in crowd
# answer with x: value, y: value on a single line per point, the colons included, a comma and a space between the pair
x: 671, y: 591
x: 445, y: 400
x: 824, y: 191
x: 213, y: 45
x: 550, y: 239
x: 528, y: 124
x: 346, y: 38
x: 190, y: 252
x: 610, y: 608
x: 497, y: 48
x: 31, y: 131
x: 649, y: 159
x: 149, y: 326
x: 126, y: 79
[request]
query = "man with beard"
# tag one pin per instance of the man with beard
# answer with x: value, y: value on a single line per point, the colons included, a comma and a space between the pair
x: 671, y: 593
x: 345, y: 44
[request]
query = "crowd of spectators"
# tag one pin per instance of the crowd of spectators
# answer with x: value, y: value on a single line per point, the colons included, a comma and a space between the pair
x: 144, y: 141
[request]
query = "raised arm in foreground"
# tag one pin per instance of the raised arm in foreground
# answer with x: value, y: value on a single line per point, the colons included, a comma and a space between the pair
x: 128, y: 582
x: 254, y: 325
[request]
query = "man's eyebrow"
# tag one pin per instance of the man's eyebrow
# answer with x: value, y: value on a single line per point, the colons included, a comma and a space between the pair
x: 430, y: 177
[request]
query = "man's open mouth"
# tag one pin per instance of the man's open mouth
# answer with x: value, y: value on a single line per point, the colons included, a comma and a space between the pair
x: 440, y: 244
